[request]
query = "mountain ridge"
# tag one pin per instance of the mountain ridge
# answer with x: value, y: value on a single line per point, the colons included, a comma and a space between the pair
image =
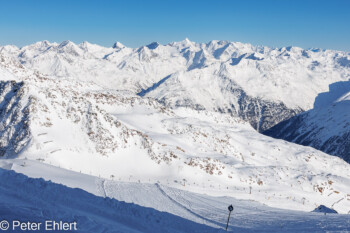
x: 265, y: 76
x: 119, y: 135
x: 326, y: 127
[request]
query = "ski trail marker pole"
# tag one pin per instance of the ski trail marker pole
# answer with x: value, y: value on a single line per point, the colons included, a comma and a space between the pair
x: 230, y: 208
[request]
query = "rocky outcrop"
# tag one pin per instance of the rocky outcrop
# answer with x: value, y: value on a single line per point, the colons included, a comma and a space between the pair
x: 14, y: 118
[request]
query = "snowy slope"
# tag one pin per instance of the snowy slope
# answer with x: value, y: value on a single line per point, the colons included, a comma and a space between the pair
x: 326, y: 127
x: 118, y: 135
x: 40, y: 201
x: 147, y: 207
x: 259, y: 84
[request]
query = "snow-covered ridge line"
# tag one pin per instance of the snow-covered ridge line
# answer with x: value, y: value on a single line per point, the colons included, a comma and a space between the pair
x: 247, y: 81
x: 326, y: 127
x: 154, y: 45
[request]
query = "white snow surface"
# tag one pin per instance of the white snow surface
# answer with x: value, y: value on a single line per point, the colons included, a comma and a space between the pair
x: 198, y: 72
x: 120, y: 136
x: 137, y: 207
x: 84, y: 116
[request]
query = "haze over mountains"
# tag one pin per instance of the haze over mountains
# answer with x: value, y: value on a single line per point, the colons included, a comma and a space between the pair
x: 184, y: 115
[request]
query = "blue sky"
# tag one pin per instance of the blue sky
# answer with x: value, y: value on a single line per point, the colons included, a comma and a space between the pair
x: 276, y: 23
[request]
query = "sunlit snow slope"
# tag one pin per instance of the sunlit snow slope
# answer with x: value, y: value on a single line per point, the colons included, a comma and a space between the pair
x: 147, y: 207
x: 118, y: 135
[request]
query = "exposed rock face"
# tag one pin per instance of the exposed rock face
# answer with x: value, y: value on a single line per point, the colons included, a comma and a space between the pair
x: 14, y: 118
x: 46, y: 115
x: 262, y: 114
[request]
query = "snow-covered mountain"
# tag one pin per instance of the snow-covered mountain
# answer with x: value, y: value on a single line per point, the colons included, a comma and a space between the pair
x: 261, y: 85
x: 118, y: 135
x: 326, y: 127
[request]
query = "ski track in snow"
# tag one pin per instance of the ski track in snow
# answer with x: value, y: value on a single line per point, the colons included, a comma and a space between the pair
x: 206, y: 221
x: 148, y: 207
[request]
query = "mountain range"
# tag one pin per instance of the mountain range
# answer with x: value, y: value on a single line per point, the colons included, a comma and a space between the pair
x: 261, y: 85
x: 186, y: 115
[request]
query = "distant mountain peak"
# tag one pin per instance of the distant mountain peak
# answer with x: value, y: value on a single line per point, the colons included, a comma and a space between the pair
x: 39, y: 45
x: 45, y: 43
x: 65, y: 43
x: 187, y: 42
x: 118, y: 45
x: 153, y: 45
x: 85, y: 43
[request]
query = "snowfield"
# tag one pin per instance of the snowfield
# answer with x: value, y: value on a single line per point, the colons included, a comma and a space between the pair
x: 168, y: 128
x: 113, y: 206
